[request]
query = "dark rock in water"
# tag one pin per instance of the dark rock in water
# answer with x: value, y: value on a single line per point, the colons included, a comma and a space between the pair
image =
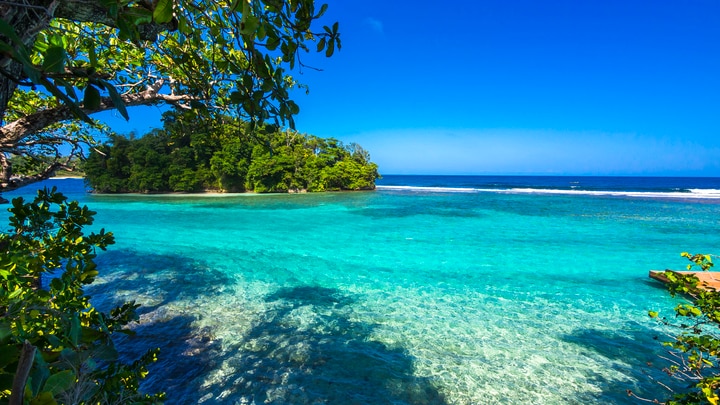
x: 3, y: 201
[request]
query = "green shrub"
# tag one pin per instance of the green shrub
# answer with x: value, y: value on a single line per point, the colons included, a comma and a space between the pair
x: 54, y: 344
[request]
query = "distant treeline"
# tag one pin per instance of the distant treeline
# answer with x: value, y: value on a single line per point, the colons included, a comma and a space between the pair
x: 194, y: 155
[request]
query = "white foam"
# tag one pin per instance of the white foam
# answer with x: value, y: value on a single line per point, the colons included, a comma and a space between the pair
x: 431, y: 189
x: 692, y: 194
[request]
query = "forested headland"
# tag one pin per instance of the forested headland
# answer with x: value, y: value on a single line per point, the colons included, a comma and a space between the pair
x: 190, y: 154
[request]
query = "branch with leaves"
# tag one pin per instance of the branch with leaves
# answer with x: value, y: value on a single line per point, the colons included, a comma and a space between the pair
x: 226, y: 57
x: 75, y: 358
x: 695, y: 349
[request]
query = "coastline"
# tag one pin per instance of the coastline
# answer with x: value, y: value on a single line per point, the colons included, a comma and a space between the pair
x: 221, y: 194
x: 705, y: 189
x: 208, y: 192
x: 670, y: 189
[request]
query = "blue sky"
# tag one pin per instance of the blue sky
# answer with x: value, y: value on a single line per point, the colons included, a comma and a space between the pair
x: 521, y: 87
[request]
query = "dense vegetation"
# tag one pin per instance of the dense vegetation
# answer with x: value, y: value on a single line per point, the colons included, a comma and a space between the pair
x: 194, y: 155
x: 60, y: 62
x: 694, y: 351
x: 54, y: 345
x: 63, y: 60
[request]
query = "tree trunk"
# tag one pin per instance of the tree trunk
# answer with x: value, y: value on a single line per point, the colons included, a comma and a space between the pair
x: 27, y: 19
x: 27, y: 357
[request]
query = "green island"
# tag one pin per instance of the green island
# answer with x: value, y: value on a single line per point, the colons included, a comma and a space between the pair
x: 225, y: 155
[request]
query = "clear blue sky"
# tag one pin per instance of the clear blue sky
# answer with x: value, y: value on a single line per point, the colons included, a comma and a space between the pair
x: 521, y: 87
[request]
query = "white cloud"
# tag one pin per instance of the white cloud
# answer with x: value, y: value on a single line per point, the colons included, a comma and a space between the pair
x: 458, y: 151
x: 375, y: 24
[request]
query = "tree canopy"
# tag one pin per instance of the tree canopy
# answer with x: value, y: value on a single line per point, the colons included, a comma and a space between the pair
x: 63, y: 60
x: 60, y: 62
x: 190, y: 154
x: 695, y: 346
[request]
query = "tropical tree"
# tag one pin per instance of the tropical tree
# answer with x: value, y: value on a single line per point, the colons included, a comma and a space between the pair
x: 225, y: 154
x: 694, y: 350
x: 54, y: 345
x: 62, y: 60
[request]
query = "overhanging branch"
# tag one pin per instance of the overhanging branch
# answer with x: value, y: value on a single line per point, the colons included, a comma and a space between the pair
x: 14, y: 132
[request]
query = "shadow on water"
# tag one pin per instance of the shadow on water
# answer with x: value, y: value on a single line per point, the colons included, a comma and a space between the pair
x: 187, y: 353
x: 306, y: 348
x: 153, y: 279
x: 635, y: 354
x: 309, y: 350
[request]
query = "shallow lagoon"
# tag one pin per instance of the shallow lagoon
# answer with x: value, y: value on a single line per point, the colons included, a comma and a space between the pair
x: 397, y: 296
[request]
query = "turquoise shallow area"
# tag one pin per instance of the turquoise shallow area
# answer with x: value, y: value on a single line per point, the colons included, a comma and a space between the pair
x: 398, y: 296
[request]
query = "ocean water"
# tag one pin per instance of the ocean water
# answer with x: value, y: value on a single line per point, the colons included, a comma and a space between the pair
x: 429, y: 290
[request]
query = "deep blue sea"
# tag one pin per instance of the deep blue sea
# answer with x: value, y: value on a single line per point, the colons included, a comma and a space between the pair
x: 429, y: 290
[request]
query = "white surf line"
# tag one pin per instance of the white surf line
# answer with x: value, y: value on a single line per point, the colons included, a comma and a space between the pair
x: 697, y: 194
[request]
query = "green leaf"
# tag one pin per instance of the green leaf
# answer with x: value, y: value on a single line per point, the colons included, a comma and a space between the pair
x: 139, y: 15
x: 59, y: 382
x: 163, y: 12
x: 56, y: 40
x: 6, y: 48
x: 19, y: 52
x: 184, y: 27
x: 272, y: 43
x: 294, y: 109
x: 43, y: 398
x: 89, y: 335
x: 54, y: 60
x: 69, y: 89
x: 8, y: 31
x: 6, y: 380
x: 8, y: 354
x: 92, y: 98
x: 64, y: 98
x: 330, y: 48
x: 236, y: 97
x: 75, y: 329
x: 117, y: 101
x: 321, y: 44
x: 113, y: 9
x: 322, y: 11
x: 250, y: 25
x: 128, y: 30
x: 15, y: 293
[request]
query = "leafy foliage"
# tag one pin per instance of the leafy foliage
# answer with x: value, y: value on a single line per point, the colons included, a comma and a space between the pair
x: 230, y: 57
x: 192, y: 154
x: 45, y: 315
x: 696, y: 347
x: 209, y: 49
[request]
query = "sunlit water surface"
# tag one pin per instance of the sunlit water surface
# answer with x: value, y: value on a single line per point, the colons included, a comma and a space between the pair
x: 397, y: 296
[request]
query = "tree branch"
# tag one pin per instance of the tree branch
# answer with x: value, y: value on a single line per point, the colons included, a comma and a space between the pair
x: 27, y: 356
x: 14, y: 132
x: 92, y: 11
x: 20, y: 181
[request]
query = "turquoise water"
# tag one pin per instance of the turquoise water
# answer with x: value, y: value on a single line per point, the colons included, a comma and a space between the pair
x: 398, y: 296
